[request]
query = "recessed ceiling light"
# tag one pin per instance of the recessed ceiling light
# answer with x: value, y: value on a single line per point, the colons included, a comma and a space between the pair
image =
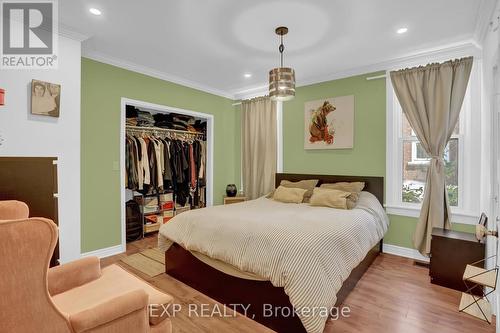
x: 95, y: 11
x: 402, y: 30
x: 247, y: 75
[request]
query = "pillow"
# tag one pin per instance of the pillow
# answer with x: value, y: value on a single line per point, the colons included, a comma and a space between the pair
x: 289, y: 195
x: 329, y: 198
x: 307, y: 185
x: 354, y: 188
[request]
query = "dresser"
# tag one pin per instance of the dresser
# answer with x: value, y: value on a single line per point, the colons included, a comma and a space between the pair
x: 451, y: 251
x: 32, y: 180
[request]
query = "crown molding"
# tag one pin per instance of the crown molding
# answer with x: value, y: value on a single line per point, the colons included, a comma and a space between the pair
x: 436, y: 54
x: 484, y: 17
x: 101, y: 57
x: 464, y: 48
x: 251, y: 92
x: 67, y: 32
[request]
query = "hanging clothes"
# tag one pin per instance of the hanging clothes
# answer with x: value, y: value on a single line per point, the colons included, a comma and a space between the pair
x: 158, y: 164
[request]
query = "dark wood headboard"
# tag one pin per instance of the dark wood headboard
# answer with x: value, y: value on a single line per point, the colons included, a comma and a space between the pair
x: 374, y: 185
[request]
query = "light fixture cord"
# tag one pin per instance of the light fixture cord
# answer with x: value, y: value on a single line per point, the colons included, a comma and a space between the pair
x: 281, y: 49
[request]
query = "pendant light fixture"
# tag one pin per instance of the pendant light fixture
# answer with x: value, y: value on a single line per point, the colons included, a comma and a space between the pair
x: 281, y: 79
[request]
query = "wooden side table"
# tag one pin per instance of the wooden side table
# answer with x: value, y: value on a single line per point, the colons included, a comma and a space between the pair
x: 451, y: 252
x: 232, y: 200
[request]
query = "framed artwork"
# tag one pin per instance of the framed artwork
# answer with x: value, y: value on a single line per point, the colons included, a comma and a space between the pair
x: 45, y: 98
x: 329, y: 123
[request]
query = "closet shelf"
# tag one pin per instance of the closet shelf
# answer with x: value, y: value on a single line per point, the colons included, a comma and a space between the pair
x: 161, y: 130
x: 159, y: 211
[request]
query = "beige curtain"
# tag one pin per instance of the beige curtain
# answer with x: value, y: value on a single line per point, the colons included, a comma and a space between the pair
x: 258, y: 136
x: 431, y: 98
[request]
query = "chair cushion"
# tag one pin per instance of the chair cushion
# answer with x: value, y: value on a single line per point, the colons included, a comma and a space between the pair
x: 114, y: 281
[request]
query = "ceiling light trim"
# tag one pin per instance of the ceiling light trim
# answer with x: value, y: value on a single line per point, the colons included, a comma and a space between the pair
x: 134, y: 67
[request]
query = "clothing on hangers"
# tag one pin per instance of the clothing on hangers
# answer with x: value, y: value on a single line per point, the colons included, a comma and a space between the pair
x: 156, y: 163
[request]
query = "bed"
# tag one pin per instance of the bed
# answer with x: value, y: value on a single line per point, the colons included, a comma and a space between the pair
x: 272, y: 257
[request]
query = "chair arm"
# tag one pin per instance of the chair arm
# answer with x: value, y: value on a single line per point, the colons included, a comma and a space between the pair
x: 74, y: 274
x: 132, y: 303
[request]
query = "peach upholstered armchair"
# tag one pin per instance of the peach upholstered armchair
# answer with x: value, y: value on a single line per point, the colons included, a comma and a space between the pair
x: 74, y: 297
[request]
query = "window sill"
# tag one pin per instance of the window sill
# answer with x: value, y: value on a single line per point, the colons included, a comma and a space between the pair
x: 418, y: 162
x: 457, y: 216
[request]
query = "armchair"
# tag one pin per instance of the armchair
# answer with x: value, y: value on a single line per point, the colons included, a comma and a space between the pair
x: 13, y: 210
x: 71, y: 298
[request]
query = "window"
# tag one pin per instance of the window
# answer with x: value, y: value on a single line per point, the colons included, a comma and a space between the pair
x: 416, y: 162
x: 407, y: 161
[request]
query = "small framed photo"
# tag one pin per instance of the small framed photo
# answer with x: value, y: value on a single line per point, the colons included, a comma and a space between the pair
x: 45, y: 98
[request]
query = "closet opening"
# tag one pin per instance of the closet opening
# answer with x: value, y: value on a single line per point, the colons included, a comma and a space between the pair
x: 166, y: 165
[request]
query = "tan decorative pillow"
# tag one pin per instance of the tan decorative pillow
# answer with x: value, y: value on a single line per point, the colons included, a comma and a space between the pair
x: 354, y: 188
x: 289, y: 195
x: 329, y: 198
x: 308, y: 184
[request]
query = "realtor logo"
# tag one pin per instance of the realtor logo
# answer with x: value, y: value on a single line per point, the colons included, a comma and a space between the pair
x: 28, y: 34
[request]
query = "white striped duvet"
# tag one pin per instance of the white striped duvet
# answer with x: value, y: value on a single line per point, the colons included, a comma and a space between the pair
x: 310, y: 251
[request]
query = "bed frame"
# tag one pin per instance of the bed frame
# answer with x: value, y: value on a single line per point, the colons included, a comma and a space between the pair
x: 230, y: 290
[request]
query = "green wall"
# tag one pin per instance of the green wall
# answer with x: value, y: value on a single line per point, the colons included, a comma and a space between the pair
x: 368, y: 155
x: 367, y: 158
x: 103, y: 86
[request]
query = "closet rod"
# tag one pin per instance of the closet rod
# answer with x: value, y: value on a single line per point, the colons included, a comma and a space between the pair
x: 159, y: 129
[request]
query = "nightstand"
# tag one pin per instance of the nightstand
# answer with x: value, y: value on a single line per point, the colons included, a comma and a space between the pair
x: 232, y: 200
x: 451, y: 252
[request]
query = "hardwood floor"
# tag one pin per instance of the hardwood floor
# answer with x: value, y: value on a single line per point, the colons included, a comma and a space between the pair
x: 394, y: 295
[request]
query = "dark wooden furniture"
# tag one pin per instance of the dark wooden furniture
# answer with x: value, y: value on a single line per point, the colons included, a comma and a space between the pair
x: 32, y: 180
x: 227, y: 289
x: 233, y: 200
x: 451, y: 251
x: 374, y: 185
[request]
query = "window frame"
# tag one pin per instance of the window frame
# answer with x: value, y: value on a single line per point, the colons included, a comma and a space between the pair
x: 468, y: 168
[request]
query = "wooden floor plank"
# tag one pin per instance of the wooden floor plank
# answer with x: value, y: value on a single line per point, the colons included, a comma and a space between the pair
x: 394, y: 295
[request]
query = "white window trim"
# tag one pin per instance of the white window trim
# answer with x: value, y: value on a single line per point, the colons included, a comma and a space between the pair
x: 469, y: 157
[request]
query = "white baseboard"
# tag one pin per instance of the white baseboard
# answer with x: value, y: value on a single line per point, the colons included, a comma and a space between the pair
x: 106, y: 252
x: 404, y: 252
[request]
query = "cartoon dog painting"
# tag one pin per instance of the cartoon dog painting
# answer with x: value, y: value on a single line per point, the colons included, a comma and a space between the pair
x: 318, y: 128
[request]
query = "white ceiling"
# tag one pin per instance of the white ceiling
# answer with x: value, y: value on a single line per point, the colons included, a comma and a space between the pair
x: 210, y: 44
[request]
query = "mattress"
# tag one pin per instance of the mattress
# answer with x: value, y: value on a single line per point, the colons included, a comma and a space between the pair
x: 309, y: 251
x: 226, y: 268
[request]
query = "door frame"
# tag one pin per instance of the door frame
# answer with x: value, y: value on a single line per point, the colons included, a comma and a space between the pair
x: 162, y: 109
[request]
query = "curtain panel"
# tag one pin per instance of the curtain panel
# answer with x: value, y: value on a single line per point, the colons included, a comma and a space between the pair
x: 259, y: 146
x: 431, y: 98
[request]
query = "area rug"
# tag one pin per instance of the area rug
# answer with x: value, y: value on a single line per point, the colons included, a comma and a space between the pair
x: 155, y: 254
x: 149, y: 262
